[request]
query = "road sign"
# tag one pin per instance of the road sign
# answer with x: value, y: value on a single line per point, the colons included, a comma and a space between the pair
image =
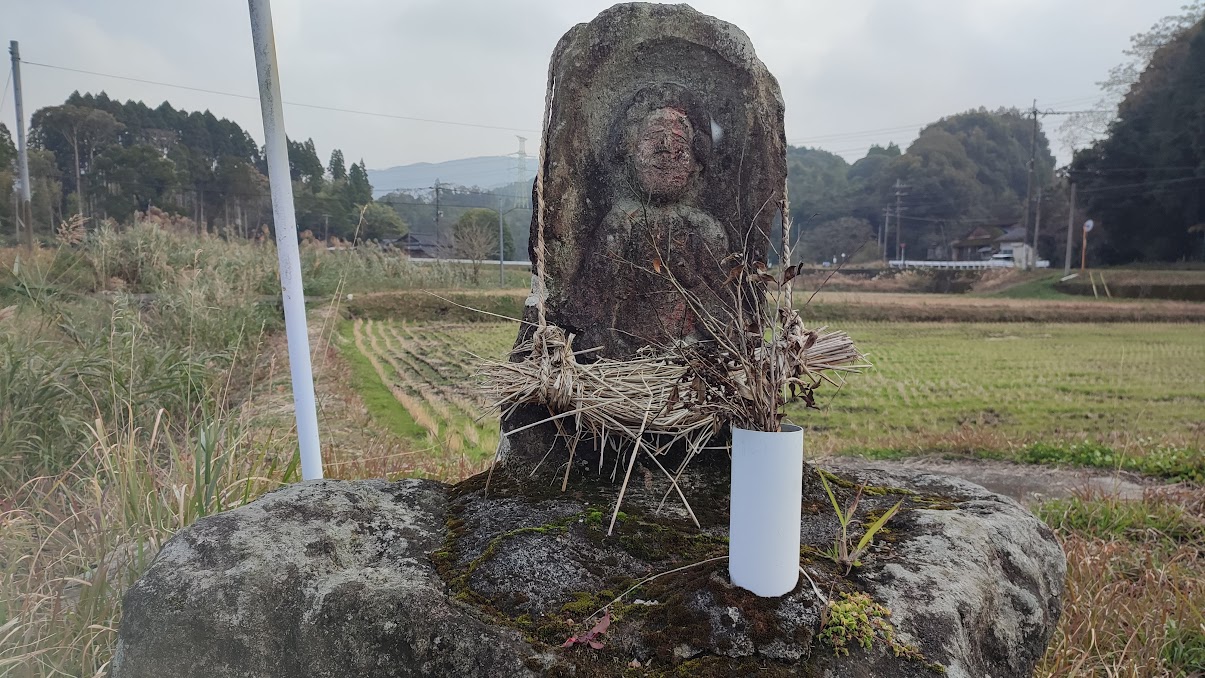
x: 1088, y: 226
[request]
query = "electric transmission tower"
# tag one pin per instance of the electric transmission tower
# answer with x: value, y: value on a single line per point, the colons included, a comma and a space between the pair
x: 520, y: 172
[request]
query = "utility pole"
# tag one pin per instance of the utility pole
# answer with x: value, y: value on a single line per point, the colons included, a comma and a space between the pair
x: 1070, y: 226
x: 899, y: 193
x: 501, y: 241
x: 520, y: 168
x: 1037, y: 226
x: 1033, y: 155
x: 326, y: 229
x: 437, y: 209
x: 24, y: 211
x: 883, y: 232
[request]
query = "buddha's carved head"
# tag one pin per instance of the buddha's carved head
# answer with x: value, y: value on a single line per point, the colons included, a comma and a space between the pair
x: 661, y: 154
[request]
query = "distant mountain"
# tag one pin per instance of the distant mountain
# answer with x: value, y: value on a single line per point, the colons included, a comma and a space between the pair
x: 484, y: 172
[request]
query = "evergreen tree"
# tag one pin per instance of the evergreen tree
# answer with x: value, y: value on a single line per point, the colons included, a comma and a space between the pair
x: 304, y: 164
x: 359, y: 191
x: 337, y: 167
x: 8, y: 151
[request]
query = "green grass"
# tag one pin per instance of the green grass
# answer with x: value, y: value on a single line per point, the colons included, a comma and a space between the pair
x: 1038, y: 288
x: 376, y: 395
x: 439, y: 306
x: 1159, y: 460
x: 1137, y: 520
x: 973, y: 387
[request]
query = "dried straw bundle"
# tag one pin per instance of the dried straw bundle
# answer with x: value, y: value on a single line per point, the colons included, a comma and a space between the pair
x: 689, y: 389
x: 686, y: 392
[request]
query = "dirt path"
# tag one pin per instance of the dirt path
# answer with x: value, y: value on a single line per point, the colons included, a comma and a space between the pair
x: 1026, y: 483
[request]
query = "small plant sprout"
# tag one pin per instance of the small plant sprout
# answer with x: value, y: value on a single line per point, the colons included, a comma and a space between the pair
x: 841, y: 551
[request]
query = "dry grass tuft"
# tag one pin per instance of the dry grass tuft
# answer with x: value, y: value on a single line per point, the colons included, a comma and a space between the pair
x: 1135, y: 599
x: 75, y: 541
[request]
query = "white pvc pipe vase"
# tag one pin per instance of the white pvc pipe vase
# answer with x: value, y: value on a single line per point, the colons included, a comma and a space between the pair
x: 767, y: 502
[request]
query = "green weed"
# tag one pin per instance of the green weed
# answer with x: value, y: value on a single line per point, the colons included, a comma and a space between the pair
x: 843, y: 551
x: 1185, y: 646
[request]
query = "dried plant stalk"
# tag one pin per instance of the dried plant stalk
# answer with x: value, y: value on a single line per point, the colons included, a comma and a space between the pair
x: 686, y: 392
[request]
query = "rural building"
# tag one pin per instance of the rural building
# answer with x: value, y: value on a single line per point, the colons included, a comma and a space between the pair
x: 992, y: 242
x: 418, y: 245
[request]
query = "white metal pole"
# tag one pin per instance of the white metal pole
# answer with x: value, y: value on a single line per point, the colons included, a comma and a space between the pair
x: 23, y: 215
x: 276, y: 149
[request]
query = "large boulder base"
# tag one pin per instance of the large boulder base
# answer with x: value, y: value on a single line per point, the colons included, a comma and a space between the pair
x: 416, y: 578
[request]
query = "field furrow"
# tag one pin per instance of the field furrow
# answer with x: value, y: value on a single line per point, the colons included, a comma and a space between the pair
x: 430, y: 381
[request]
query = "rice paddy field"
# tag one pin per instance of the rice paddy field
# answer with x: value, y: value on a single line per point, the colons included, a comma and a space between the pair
x: 1122, y: 394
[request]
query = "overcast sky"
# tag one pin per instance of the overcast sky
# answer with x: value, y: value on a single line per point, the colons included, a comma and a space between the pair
x: 852, y: 73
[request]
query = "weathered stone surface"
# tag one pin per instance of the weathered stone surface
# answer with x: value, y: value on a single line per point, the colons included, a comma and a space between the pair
x: 664, y: 151
x: 665, y: 140
x: 317, y: 579
x: 418, y: 579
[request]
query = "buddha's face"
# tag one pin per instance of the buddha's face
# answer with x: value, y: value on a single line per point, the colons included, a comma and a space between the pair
x: 662, y: 157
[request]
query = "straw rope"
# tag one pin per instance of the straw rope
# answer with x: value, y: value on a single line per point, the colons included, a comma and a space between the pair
x: 541, y: 279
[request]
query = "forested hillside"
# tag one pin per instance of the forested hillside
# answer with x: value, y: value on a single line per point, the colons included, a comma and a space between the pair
x: 106, y: 159
x: 965, y: 169
x: 1145, y: 182
x: 1142, y: 180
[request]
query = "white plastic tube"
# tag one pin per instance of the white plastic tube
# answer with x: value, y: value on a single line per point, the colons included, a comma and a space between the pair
x: 286, y: 238
x: 767, y: 489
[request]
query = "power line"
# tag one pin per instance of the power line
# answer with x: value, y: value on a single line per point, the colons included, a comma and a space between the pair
x: 1076, y: 100
x: 859, y: 133
x: 964, y: 221
x: 7, y: 81
x: 1142, y: 184
x: 1165, y: 168
x: 844, y: 136
x: 1054, y: 112
x: 290, y: 103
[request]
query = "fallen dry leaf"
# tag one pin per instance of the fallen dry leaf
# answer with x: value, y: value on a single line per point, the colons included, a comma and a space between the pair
x: 589, y: 638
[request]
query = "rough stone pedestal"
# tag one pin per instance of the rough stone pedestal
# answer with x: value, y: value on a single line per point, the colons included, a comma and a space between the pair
x: 416, y: 578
